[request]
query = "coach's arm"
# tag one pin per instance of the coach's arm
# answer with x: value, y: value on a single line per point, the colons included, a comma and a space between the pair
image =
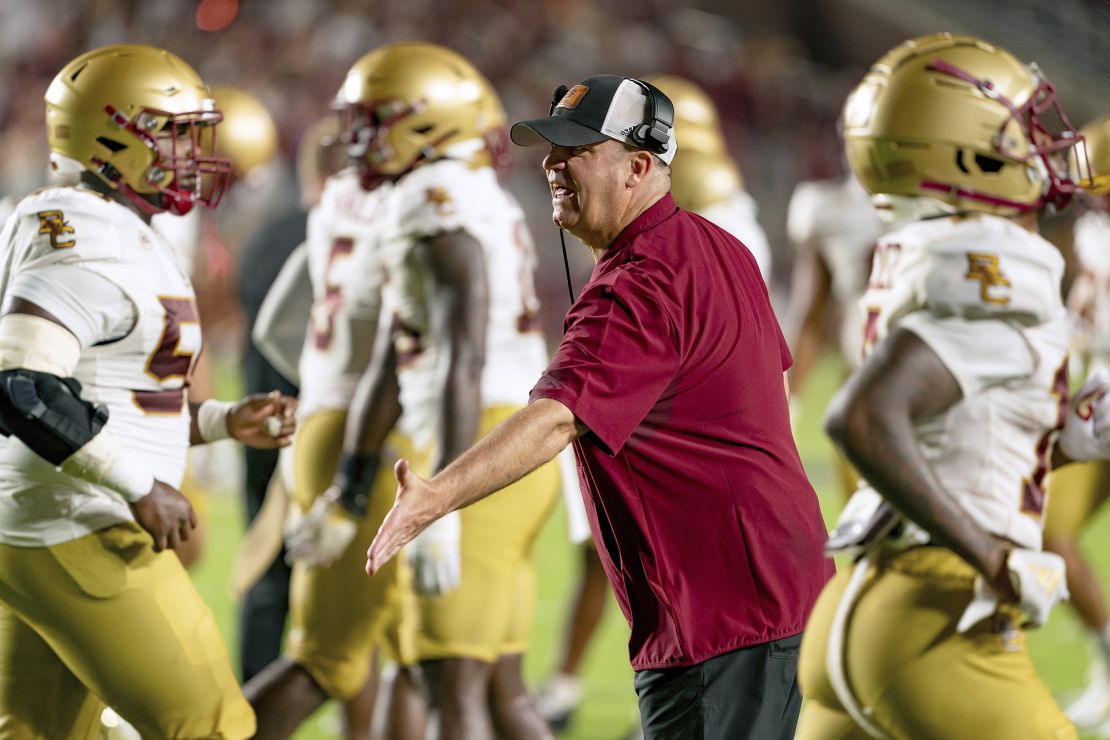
x: 523, y: 442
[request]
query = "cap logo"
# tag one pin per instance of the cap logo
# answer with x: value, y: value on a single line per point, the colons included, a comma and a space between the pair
x: 573, y: 96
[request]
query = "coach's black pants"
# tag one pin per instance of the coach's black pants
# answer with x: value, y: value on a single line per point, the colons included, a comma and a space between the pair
x: 748, y: 693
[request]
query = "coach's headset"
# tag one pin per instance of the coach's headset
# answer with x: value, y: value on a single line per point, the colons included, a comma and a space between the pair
x: 654, y: 135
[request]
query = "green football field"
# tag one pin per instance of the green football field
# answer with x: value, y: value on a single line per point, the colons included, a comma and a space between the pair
x: 1059, y: 649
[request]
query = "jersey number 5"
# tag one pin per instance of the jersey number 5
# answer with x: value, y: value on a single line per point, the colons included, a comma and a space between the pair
x: 168, y: 360
x: 323, y: 313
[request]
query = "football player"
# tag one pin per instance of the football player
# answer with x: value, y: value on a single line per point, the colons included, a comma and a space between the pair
x: 98, y: 335
x: 833, y: 227
x: 456, y: 355
x: 1079, y: 491
x: 954, y: 418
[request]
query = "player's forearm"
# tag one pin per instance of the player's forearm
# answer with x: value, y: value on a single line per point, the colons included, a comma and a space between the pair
x: 875, y: 433
x: 461, y: 410
x: 376, y: 406
x: 523, y: 442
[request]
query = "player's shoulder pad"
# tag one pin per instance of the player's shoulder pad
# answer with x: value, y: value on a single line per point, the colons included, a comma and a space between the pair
x: 65, y: 224
x: 339, y: 185
x: 445, y: 196
x: 988, y: 267
x: 801, y: 212
x: 1092, y: 242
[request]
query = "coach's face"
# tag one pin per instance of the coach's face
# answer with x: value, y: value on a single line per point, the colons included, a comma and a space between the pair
x: 587, y: 185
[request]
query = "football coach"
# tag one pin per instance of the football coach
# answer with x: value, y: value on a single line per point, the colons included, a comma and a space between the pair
x: 669, y: 383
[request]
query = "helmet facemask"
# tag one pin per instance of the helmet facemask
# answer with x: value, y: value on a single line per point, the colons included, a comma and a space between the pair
x: 183, y: 168
x: 1046, y: 150
x: 370, y: 130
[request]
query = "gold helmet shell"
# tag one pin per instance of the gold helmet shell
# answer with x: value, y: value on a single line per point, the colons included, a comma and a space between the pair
x: 143, y: 121
x: 248, y: 135
x: 1093, y: 156
x: 411, y: 103
x: 696, y: 122
x: 955, y: 119
x: 703, y: 179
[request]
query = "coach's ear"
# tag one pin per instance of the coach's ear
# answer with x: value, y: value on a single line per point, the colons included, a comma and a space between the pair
x: 640, y: 164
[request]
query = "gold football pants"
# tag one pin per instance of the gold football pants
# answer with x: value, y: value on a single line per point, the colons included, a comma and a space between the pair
x: 105, y: 616
x: 490, y: 613
x: 338, y: 614
x: 908, y: 671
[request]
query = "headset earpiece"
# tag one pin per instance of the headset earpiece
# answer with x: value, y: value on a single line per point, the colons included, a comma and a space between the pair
x: 655, y: 134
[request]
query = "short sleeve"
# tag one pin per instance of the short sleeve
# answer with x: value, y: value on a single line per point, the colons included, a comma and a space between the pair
x: 88, y: 304
x: 617, y: 359
x: 801, y: 215
x: 440, y: 199
x: 784, y: 350
x: 979, y: 353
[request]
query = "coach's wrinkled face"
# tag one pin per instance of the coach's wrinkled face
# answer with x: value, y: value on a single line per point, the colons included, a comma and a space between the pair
x: 587, y: 187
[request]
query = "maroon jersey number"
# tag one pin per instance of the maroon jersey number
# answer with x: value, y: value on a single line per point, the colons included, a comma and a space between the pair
x: 167, y: 361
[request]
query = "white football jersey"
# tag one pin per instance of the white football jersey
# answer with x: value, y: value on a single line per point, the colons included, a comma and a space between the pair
x: 142, y: 377
x: 346, y: 268
x: 442, y: 197
x: 737, y: 216
x: 983, y: 293
x: 1089, y: 299
x: 836, y: 218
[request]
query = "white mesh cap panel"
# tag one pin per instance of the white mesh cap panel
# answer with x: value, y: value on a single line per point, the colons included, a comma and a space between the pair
x: 629, y: 110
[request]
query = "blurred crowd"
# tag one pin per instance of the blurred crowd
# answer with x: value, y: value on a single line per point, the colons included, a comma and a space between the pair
x: 777, y: 106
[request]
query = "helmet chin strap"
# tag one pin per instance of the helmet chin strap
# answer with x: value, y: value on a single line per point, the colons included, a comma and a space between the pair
x: 176, y: 205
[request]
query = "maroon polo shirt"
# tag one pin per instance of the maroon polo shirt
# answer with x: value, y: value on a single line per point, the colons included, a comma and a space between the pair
x: 708, y: 529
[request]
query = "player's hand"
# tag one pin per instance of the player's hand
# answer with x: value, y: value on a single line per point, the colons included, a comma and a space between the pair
x: 435, y: 558
x: 1086, y: 433
x: 166, y: 514
x: 1038, y: 579
x: 410, y: 514
x: 264, y: 420
x: 321, y: 536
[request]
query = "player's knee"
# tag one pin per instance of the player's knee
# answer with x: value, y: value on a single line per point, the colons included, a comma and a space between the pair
x: 1061, y: 544
x: 340, y: 678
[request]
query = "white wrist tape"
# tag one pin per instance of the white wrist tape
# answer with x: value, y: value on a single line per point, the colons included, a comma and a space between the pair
x: 104, y: 462
x: 212, y: 420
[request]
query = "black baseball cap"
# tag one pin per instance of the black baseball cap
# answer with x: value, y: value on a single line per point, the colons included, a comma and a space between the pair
x: 597, y: 108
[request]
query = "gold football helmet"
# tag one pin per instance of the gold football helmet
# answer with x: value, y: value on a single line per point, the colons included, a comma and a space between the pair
x: 697, y: 127
x: 703, y: 179
x: 248, y: 136
x: 411, y: 103
x: 1093, y: 156
x: 958, y: 120
x: 140, y: 119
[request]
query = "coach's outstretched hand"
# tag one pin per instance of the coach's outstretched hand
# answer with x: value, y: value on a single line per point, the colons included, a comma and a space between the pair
x: 410, y: 515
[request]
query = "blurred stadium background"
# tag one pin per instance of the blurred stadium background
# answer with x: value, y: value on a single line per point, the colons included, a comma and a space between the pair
x: 777, y: 71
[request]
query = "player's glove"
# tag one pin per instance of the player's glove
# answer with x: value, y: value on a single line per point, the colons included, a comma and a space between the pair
x: 435, y: 558
x: 1039, y: 580
x: 321, y: 536
x: 1086, y: 433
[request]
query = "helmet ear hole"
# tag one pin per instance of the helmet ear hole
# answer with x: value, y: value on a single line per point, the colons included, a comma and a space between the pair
x: 112, y: 145
x: 989, y: 165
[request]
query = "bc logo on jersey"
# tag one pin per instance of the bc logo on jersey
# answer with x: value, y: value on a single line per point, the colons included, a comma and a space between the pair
x: 984, y: 268
x: 55, y: 224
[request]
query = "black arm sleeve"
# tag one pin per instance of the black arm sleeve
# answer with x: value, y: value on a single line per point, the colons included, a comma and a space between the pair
x: 47, y: 414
